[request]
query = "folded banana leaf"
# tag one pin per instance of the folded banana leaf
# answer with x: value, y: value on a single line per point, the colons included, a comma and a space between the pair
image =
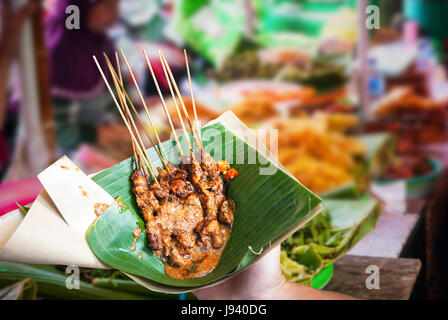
x: 380, y: 151
x: 327, y: 237
x: 269, y: 208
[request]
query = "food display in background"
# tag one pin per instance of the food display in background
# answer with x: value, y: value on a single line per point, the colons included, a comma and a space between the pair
x: 406, y: 167
x: 322, y: 74
x: 247, y: 64
x: 335, y: 101
x: 415, y: 121
x: 318, y: 152
x: 204, y: 113
x: 327, y: 238
x: 413, y: 118
x: 254, y: 109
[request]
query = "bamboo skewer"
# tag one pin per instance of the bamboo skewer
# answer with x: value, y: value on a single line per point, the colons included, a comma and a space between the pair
x: 165, y: 108
x: 137, y: 158
x: 128, y: 112
x: 134, y: 152
x: 192, y: 101
x: 114, y: 74
x: 177, y: 107
x: 140, y: 146
x: 148, y: 163
x: 139, y: 151
x: 146, y: 110
x: 179, y: 97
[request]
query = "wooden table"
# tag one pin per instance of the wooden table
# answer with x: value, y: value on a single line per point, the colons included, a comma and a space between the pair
x: 392, y: 233
x: 397, y: 277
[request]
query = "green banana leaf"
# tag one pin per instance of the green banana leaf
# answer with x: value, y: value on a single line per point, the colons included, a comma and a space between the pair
x: 51, y: 284
x: 268, y: 209
x: 327, y: 237
x: 22, y: 290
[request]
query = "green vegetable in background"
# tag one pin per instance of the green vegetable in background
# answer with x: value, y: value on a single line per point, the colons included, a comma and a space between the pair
x: 22, y: 290
x: 327, y: 237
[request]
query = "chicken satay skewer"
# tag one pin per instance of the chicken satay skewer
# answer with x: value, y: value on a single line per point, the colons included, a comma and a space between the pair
x: 180, y: 98
x: 165, y: 108
x: 136, y: 113
x: 147, y: 161
x: 177, y: 107
x: 146, y: 110
x: 193, y: 102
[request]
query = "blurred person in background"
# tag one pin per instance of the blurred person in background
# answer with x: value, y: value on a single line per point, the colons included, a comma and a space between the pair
x: 78, y: 91
x: 11, y: 25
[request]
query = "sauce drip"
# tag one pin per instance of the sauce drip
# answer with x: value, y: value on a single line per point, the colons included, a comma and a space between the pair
x: 99, y: 208
x: 120, y: 203
x: 136, y: 234
x: 84, y: 193
x: 65, y: 168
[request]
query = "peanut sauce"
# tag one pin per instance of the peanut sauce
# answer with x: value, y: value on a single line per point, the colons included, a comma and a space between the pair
x: 99, y: 208
x: 195, y: 270
x: 136, y: 234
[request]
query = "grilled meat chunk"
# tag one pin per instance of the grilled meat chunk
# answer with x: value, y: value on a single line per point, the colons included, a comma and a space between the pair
x: 188, y: 218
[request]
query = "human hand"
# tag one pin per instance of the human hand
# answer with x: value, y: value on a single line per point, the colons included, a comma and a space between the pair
x: 260, y: 281
x: 264, y: 281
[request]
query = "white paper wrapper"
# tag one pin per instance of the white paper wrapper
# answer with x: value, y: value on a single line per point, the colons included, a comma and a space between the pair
x: 65, y: 182
x: 43, y: 237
